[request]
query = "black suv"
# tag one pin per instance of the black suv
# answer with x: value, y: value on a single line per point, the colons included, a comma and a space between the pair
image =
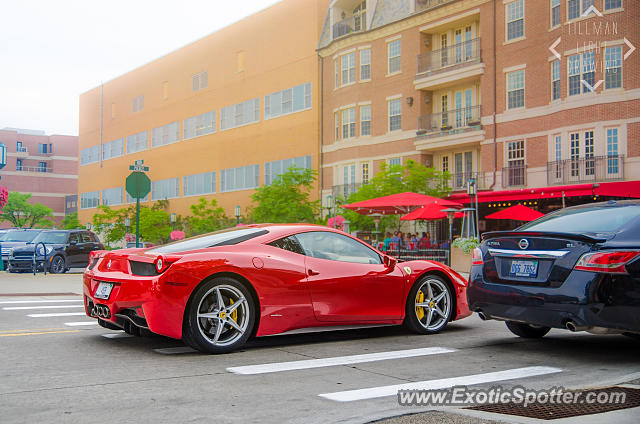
x: 57, y: 251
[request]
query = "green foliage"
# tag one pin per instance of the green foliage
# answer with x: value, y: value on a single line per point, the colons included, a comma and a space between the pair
x: 207, y: 217
x: 287, y: 198
x: 466, y: 244
x: 154, y: 222
x: 71, y: 221
x: 411, y: 177
x: 22, y: 214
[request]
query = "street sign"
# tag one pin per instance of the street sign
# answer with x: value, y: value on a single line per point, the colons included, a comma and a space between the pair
x: 138, y: 168
x: 138, y: 184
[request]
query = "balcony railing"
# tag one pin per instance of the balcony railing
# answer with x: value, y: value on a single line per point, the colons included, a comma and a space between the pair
x: 450, y: 122
x: 449, y: 58
x: 34, y: 169
x: 459, y: 181
x: 422, y: 5
x: 354, y: 23
x: 514, y: 176
x: 594, y: 169
x: 343, y: 191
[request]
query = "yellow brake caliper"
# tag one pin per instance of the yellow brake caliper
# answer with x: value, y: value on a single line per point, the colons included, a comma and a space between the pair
x: 420, y: 309
x: 234, y: 314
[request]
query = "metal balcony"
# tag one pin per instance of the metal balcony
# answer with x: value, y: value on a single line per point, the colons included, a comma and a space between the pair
x: 34, y: 169
x: 459, y: 181
x: 451, y: 122
x: 514, y: 176
x: 450, y: 58
x: 422, y: 5
x: 352, y: 24
x: 585, y: 170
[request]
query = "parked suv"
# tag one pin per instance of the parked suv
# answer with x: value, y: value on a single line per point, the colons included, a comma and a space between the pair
x: 63, y: 249
x: 15, y: 238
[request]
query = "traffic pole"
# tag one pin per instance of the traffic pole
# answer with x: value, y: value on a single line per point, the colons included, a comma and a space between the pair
x: 138, y: 222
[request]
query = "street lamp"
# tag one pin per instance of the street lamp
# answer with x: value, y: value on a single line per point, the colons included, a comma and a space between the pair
x: 127, y: 224
x: 88, y: 226
x: 237, y: 214
x: 376, y: 219
x: 472, y: 191
x: 450, y: 214
x: 173, y: 218
x: 329, y: 206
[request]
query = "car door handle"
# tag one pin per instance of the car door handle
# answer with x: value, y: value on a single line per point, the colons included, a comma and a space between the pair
x: 312, y: 272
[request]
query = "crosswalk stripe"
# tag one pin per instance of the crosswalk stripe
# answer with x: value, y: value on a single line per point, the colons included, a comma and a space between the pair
x: 81, y: 323
x: 9, y: 302
x: 25, y: 308
x: 338, y: 360
x: 444, y: 383
x: 61, y: 314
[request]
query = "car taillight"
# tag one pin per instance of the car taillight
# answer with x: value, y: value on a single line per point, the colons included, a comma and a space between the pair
x: 609, y: 262
x: 94, y: 258
x: 476, y: 257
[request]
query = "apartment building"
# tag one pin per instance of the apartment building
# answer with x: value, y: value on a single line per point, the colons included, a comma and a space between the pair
x: 215, y: 119
x: 519, y: 94
x: 44, y: 165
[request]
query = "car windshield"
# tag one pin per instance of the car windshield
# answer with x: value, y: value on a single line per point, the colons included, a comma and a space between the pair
x: 593, y: 220
x: 219, y: 238
x: 4, y: 235
x: 24, y: 236
x: 53, y: 237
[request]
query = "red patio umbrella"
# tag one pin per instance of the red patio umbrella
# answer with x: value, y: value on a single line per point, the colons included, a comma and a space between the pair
x: 517, y: 212
x: 432, y: 211
x: 394, y: 204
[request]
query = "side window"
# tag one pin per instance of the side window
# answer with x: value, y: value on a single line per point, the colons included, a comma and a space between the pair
x: 86, y: 238
x: 73, y: 238
x: 336, y: 247
x: 288, y: 243
x: 95, y: 238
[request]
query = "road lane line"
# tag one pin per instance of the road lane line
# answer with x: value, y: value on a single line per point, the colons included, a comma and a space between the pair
x: 32, y: 330
x: 80, y: 323
x: 61, y: 314
x: 120, y: 335
x: 25, y: 308
x: 9, y: 302
x: 444, y: 383
x: 338, y: 360
x: 38, y: 333
x: 175, y: 350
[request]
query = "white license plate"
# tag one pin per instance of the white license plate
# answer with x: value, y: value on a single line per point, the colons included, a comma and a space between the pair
x: 524, y: 268
x: 103, y: 291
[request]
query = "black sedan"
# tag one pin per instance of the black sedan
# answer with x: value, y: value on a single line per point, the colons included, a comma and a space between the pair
x: 577, y: 268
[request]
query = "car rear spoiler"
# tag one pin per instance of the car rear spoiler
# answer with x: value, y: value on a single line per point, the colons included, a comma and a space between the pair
x: 570, y: 236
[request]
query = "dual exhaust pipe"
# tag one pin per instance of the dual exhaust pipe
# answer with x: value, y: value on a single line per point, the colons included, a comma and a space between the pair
x: 101, y: 311
x: 569, y: 325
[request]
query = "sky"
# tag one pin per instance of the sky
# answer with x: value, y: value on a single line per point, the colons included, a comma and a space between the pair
x: 51, y: 51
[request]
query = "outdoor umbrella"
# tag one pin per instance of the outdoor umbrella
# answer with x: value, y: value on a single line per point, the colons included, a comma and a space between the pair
x: 394, y: 204
x: 431, y: 212
x: 517, y: 212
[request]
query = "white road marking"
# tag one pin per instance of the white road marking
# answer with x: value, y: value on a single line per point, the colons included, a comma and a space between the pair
x: 174, y: 350
x: 8, y: 302
x: 61, y: 314
x: 119, y: 335
x: 24, y: 308
x: 444, y: 383
x: 338, y: 360
x: 80, y: 323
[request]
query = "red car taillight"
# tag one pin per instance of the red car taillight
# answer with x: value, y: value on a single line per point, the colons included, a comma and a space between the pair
x: 476, y: 257
x: 609, y: 262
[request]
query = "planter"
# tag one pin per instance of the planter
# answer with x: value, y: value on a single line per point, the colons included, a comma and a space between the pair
x: 460, y: 261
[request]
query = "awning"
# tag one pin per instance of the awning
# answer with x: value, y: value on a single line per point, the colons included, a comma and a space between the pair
x: 431, y: 212
x: 516, y: 212
x: 614, y: 189
x: 400, y: 203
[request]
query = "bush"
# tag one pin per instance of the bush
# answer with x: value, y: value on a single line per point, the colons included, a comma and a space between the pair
x: 466, y: 244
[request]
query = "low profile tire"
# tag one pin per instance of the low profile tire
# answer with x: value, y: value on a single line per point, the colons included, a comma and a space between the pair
x: 526, y: 330
x: 58, y: 265
x: 220, y: 316
x: 429, y: 305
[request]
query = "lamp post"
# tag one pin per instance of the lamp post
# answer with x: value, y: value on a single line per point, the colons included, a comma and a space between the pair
x: 88, y: 226
x: 237, y: 214
x: 329, y: 206
x: 472, y: 191
x: 173, y: 218
x: 376, y: 219
x: 450, y: 214
x: 127, y: 224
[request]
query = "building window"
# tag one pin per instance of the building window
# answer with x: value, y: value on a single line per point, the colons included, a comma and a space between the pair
x: 199, y: 81
x: 613, y: 67
x: 515, y: 89
x: 394, y: 161
x: 336, y: 74
x: 445, y: 164
x: 394, y: 52
x: 515, y: 19
x: 558, y: 156
x: 590, y: 164
x: 130, y: 199
x: 612, y: 4
x: 112, y: 196
x: 199, y: 125
x: 575, y: 8
x: 20, y: 148
x: 165, y: 134
x: 247, y: 112
x: 273, y: 170
x: 18, y: 164
x: 555, y: 80
x: 138, y: 142
x: 165, y: 189
x: 612, y: 151
x: 574, y: 154
x: 581, y: 71
x: 365, y: 64
x: 348, y: 65
x: 42, y: 166
x: 197, y: 184
x: 515, y: 163
x: 89, y: 200
x: 555, y: 13
x: 365, y: 120
x: 365, y: 173
x: 44, y: 149
x: 395, y: 115
x: 444, y: 104
x: 336, y: 122
x: 349, y: 123
x: 242, y: 178
x: 287, y: 101
x: 165, y: 90
x: 137, y: 104
x: 90, y: 155
x: 112, y: 149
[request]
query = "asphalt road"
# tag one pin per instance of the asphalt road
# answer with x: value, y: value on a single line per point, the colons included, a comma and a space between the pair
x: 56, y: 368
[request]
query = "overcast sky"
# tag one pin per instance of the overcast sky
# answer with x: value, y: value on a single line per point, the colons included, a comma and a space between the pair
x: 51, y: 51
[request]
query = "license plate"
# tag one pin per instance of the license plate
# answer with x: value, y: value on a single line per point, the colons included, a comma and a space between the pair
x: 103, y: 291
x: 523, y: 269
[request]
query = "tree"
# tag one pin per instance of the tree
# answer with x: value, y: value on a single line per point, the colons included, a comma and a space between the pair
x: 71, y: 221
x: 287, y: 198
x: 207, y: 217
x: 155, y: 226
x: 22, y: 214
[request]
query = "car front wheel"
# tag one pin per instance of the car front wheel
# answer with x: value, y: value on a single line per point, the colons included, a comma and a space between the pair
x: 220, y: 316
x: 526, y: 330
x: 58, y: 265
x: 429, y: 305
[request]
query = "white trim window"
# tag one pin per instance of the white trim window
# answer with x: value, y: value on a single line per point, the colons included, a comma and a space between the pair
x: 555, y: 80
x: 289, y: 100
x: 89, y: 200
x: 273, y: 170
x: 245, y: 113
x: 516, y: 168
x: 89, y: 155
x: 581, y: 70
x: 613, y: 161
x: 514, y: 20
x: 165, y: 189
x: 349, y: 123
x: 394, y: 57
x: 445, y: 163
x: 113, y: 149
x: 241, y: 178
x: 365, y: 120
x: 336, y: 124
x: 365, y: 64
x: 590, y: 163
x: 558, y: 156
x: 395, y: 115
x: 574, y: 154
x: 515, y: 89
x: 612, y: 4
x: 365, y: 173
x: 199, y: 125
x: 137, y: 104
x: 165, y: 134
x: 138, y: 142
x: 197, y: 184
x: 199, y: 81
x: 129, y: 199
x: 613, y: 67
x: 394, y: 161
x: 348, y: 65
x: 336, y: 74
x: 112, y: 196
x: 575, y: 8
x: 555, y: 13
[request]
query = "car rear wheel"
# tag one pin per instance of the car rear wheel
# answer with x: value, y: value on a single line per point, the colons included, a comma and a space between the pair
x: 527, y: 331
x: 58, y: 265
x: 429, y: 305
x: 220, y: 317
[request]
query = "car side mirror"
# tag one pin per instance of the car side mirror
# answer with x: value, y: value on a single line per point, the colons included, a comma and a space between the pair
x: 389, y: 262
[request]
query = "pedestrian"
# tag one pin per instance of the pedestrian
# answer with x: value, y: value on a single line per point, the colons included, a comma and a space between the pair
x: 395, y: 241
x: 386, y: 242
x: 424, y: 242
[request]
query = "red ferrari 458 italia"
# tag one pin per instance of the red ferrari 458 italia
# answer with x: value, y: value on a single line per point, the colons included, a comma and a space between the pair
x: 217, y: 290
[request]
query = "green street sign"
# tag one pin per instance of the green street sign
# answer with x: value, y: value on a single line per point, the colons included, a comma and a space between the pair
x: 138, y: 185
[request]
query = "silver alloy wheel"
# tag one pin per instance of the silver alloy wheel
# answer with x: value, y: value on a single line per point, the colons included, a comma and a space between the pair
x: 223, y: 315
x: 436, y: 305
